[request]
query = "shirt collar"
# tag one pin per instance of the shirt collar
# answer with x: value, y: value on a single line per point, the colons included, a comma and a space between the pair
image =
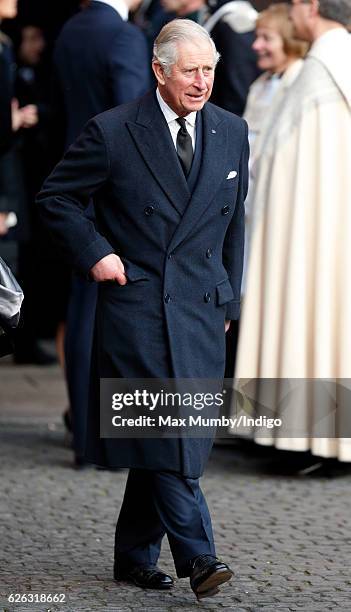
x: 119, y: 6
x: 170, y: 115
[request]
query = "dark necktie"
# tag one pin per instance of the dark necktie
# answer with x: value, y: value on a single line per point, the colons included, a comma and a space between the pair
x: 184, y: 146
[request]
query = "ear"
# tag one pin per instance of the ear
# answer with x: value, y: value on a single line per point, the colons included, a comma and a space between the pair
x: 159, y: 72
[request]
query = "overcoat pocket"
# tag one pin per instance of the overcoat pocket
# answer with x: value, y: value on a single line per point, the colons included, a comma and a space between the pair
x: 133, y: 272
x: 224, y: 292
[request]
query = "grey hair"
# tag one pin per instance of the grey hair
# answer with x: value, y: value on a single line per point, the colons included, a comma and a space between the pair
x: 336, y: 10
x: 174, y: 32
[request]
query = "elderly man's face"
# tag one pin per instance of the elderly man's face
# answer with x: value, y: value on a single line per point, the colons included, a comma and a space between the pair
x: 8, y: 9
x: 300, y: 14
x: 190, y: 82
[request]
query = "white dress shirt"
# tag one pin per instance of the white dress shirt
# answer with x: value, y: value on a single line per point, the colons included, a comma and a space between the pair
x: 171, y: 118
x: 119, y: 6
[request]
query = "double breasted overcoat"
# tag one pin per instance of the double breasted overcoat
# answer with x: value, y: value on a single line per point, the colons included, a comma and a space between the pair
x: 183, y: 254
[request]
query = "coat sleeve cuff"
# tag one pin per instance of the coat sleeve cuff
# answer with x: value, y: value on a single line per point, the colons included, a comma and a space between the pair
x: 91, y: 255
x: 233, y: 310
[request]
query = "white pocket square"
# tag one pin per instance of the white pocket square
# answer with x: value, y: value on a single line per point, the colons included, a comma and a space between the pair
x: 232, y: 174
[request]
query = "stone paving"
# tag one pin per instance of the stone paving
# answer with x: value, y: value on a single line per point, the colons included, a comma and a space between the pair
x: 287, y: 537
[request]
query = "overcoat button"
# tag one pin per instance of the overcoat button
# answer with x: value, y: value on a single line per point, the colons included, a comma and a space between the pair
x: 209, y: 253
x: 207, y: 297
x: 225, y: 210
x: 170, y: 255
x: 149, y: 210
x: 167, y: 298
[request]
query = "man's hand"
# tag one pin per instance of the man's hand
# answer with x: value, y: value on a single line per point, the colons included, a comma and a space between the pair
x: 227, y: 325
x: 109, y: 268
x: 3, y: 227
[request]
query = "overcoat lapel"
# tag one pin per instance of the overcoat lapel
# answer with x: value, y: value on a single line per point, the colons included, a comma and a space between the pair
x: 211, y: 175
x: 152, y: 137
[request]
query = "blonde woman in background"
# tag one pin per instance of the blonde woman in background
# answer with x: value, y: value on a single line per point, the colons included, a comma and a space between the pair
x: 280, y: 54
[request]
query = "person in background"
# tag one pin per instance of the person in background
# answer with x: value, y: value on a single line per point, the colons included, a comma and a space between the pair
x: 32, y: 89
x: 13, y: 221
x: 232, y: 27
x: 280, y: 54
x: 150, y: 17
x: 100, y: 61
x: 197, y: 10
x: 8, y: 10
x: 8, y: 312
x: 294, y: 353
x: 6, y: 95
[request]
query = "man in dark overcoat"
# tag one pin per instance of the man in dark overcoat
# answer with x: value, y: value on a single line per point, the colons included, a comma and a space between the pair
x: 168, y: 174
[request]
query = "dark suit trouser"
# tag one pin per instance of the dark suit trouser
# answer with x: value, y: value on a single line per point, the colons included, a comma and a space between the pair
x: 159, y: 503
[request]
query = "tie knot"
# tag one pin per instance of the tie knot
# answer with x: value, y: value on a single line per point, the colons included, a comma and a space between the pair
x: 181, y: 122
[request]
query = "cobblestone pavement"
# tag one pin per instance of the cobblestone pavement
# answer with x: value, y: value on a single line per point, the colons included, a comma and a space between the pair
x: 287, y: 537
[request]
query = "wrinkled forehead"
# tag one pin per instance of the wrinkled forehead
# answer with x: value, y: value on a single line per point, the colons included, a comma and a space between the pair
x: 197, y: 51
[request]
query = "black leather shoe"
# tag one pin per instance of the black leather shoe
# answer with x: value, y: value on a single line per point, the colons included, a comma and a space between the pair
x: 207, y: 574
x: 146, y: 577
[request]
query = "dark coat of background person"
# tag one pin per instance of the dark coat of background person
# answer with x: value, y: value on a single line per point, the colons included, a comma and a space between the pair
x: 151, y: 17
x: 100, y: 61
x: 183, y: 255
x: 237, y: 68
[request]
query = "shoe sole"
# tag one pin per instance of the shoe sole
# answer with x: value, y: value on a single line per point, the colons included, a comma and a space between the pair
x: 206, y: 588
x: 209, y: 593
